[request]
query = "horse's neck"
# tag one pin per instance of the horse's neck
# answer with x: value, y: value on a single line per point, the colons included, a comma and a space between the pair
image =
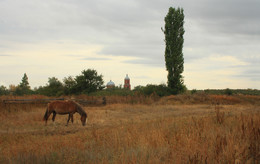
x: 80, y: 111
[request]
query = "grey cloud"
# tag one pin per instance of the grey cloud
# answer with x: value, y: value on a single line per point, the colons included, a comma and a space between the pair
x: 227, y: 17
x: 132, y: 50
x: 114, y: 20
x: 149, y: 55
x: 140, y: 77
x: 82, y: 57
x: 7, y: 55
x: 251, y: 76
x: 95, y: 59
x: 147, y: 62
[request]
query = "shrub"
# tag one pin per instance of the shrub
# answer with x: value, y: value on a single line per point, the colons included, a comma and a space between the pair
x: 228, y: 91
x: 160, y: 90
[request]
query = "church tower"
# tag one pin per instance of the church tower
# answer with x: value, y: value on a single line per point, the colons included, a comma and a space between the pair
x: 127, y: 83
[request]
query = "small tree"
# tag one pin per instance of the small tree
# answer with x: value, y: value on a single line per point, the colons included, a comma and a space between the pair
x: 228, y: 91
x: 23, y: 88
x: 3, y: 90
x: 174, y: 60
x: 53, y: 88
x: 194, y: 91
x: 89, y: 81
x: 69, y: 85
x: 24, y: 83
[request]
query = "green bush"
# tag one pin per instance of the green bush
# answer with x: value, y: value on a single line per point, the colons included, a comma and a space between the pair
x: 3, y: 90
x: 160, y: 90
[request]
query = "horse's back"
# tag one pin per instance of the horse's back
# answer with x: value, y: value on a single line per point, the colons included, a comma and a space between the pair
x: 62, y: 107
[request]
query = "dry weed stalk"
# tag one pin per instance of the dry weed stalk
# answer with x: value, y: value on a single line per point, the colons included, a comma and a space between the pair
x: 220, y: 116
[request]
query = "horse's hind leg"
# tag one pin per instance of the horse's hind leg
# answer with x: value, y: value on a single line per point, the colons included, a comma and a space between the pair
x: 46, y: 116
x: 53, y: 117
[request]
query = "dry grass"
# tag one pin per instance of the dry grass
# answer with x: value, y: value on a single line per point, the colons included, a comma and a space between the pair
x: 125, y: 133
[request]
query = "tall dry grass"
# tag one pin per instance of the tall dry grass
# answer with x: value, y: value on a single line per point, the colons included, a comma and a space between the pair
x: 202, y: 98
x: 125, y: 133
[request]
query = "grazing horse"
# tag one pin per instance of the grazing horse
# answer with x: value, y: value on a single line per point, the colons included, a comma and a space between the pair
x: 64, y: 107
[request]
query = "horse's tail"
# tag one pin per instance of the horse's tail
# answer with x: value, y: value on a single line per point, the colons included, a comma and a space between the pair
x: 45, y: 117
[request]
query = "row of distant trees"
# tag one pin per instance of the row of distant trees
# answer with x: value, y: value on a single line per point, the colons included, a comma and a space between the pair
x: 88, y: 81
x: 91, y: 83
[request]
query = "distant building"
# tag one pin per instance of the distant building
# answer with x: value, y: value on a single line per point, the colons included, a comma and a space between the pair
x: 110, y: 84
x: 127, y: 83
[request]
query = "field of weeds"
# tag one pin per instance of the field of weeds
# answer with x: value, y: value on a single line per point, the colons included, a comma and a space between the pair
x: 171, y: 130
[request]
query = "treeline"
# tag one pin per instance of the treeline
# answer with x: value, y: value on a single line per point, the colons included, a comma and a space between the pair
x: 89, y: 82
x: 227, y: 91
x: 148, y: 90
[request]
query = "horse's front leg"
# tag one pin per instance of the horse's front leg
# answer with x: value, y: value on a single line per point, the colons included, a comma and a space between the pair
x: 68, y: 120
x: 71, y: 116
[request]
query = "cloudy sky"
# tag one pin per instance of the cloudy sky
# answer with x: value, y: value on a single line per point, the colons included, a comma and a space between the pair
x: 59, y: 38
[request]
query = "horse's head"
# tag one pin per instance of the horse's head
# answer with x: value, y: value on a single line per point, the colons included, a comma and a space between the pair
x: 83, y: 119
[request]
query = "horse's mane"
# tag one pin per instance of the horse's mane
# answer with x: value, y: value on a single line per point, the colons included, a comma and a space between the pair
x: 80, y: 110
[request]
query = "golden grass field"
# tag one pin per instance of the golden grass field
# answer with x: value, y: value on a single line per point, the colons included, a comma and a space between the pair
x: 170, y: 130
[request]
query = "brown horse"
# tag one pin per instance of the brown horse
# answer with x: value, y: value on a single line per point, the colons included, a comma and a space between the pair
x: 65, y: 107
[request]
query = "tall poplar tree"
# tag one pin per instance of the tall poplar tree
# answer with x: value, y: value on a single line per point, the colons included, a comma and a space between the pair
x: 174, y: 60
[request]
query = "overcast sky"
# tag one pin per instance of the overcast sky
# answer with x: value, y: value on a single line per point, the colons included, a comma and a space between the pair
x: 60, y: 38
